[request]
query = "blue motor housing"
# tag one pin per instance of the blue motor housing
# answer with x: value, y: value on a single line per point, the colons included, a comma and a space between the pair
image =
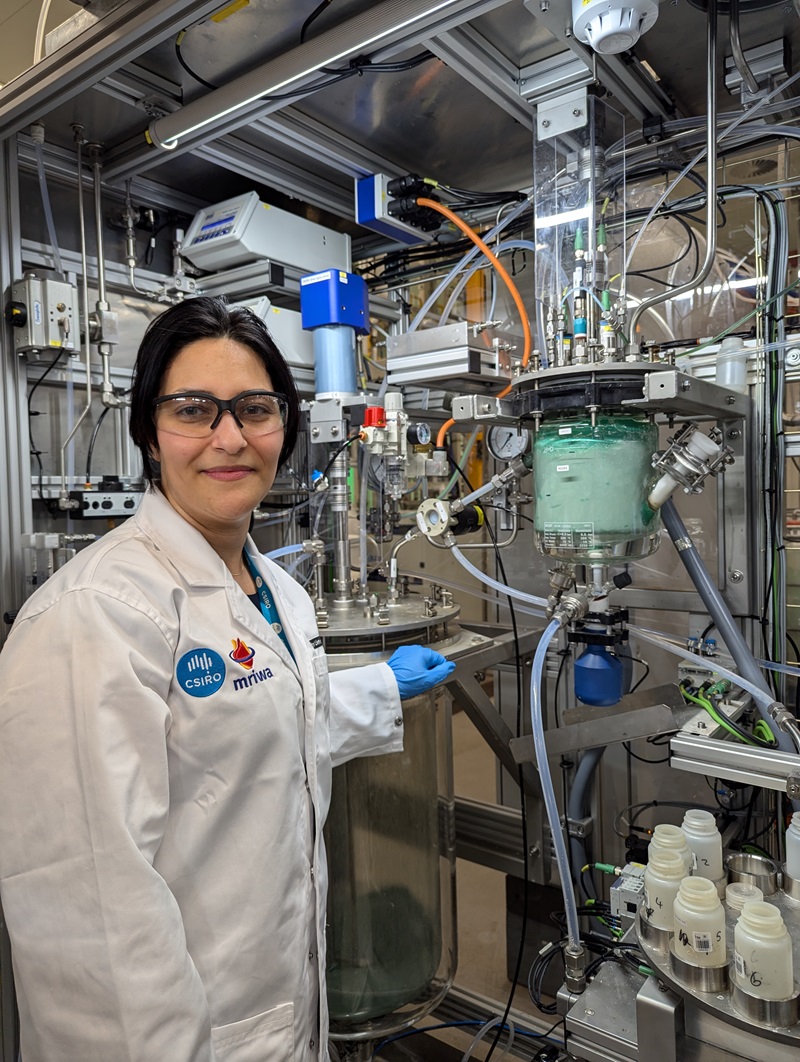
x: 599, y: 677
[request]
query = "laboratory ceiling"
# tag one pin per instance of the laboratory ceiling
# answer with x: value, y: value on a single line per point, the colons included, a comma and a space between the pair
x: 464, y: 113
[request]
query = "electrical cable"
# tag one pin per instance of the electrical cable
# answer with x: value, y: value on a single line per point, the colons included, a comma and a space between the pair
x: 356, y: 67
x: 312, y: 17
x: 520, y: 781
x: 546, y: 1035
x: 338, y: 450
x: 727, y: 723
x: 432, y: 204
x: 34, y: 450
x: 92, y: 441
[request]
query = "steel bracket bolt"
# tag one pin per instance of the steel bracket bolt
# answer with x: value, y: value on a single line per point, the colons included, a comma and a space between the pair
x: 735, y: 575
x: 793, y: 786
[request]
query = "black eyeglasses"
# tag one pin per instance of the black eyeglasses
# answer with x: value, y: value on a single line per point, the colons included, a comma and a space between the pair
x: 196, y: 414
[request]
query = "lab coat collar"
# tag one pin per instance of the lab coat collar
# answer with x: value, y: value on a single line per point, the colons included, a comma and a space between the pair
x: 196, y: 560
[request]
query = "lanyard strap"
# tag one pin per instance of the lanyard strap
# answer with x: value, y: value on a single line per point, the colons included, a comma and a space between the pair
x: 266, y: 604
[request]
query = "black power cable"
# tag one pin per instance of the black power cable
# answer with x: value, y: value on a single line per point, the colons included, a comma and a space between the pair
x: 518, y: 663
x: 34, y: 450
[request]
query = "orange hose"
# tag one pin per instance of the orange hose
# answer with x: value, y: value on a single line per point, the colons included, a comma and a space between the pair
x: 509, y: 283
x: 445, y: 428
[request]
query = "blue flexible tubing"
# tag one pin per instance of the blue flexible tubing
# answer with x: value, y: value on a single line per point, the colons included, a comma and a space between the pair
x: 548, y: 793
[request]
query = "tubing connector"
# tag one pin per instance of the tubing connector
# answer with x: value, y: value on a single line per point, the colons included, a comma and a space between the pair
x: 785, y: 721
x: 690, y: 459
x: 781, y: 716
x: 572, y: 607
x: 575, y: 967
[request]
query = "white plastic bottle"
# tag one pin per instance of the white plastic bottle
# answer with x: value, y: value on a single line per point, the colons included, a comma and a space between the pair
x: 663, y: 875
x: 793, y: 847
x: 699, y: 924
x: 705, y: 842
x: 731, y: 364
x: 762, y: 952
x: 673, y: 839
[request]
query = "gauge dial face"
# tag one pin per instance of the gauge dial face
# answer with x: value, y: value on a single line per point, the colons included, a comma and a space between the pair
x: 505, y: 443
x: 423, y: 431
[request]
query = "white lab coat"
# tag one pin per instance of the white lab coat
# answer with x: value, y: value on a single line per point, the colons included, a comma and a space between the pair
x: 162, y: 867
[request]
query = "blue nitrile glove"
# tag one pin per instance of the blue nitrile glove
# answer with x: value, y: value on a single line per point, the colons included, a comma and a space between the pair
x: 418, y: 669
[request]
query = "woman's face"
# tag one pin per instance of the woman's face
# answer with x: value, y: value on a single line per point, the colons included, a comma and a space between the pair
x: 216, y: 481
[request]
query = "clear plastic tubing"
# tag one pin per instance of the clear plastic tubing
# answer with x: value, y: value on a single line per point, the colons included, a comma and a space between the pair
x: 484, y: 1029
x: 468, y: 257
x: 697, y: 158
x: 508, y: 245
x: 548, y: 793
x: 491, y: 598
x: 284, y: 551
x: 705, y: 842
x: 762, y: 952
x: 759, y: 695
x: 501, y: 588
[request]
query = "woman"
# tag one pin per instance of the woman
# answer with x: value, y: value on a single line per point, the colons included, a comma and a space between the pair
x: 166, y: 744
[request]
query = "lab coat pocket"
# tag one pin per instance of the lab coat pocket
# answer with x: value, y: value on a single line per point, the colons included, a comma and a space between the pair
x: 267, y: 1037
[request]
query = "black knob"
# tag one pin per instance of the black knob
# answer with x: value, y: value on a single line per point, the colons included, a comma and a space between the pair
x: 16, y: 314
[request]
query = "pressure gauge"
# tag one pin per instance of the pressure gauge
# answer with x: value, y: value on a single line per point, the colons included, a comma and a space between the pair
x: 505, y: 443
x: 419, y: 433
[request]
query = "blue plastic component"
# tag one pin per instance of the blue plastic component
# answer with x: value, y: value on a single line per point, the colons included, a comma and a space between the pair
x: 580, y: 326
x: 372, y: 202
x: 598, y: 677
x: 334, y: 298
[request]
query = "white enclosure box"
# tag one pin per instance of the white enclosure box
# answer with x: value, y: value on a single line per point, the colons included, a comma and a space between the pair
x: 243, y: 230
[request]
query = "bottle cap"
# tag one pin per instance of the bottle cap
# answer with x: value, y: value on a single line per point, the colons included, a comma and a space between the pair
x: 738, y: 893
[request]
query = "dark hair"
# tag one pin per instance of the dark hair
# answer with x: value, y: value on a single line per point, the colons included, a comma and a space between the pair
x: 176, y: 328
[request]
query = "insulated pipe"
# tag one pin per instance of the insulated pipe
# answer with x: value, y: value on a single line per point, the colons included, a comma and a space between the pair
x: 720, y: 614
x: 548, y: 793
x: 578, y: 798
x: 738, y: 52
x: 711, y: 181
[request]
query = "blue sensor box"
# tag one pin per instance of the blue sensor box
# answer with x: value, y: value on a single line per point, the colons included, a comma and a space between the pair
x: 334, y: 298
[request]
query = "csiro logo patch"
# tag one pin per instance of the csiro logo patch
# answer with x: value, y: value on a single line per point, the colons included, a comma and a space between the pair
x: 200, y: 672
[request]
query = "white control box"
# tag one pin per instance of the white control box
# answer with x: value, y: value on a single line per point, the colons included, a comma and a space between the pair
x: 243, y: 230
x: 43, y: 314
